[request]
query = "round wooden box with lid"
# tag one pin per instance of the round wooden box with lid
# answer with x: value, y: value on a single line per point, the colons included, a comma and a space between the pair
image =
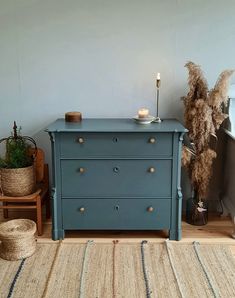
x: 73, y: 117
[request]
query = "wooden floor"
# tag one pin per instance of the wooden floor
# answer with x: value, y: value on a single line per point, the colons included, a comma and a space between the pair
x: 218, y: 230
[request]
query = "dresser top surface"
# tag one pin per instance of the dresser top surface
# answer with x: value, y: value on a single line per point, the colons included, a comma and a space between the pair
x: 115, y: 125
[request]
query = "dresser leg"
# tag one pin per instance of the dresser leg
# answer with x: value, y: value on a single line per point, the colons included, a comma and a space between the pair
x: 57, y: 234
x: 175, y: 234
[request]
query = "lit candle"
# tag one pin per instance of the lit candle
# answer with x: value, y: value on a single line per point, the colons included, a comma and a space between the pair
x: 143, y: 113
x: 158, y: 76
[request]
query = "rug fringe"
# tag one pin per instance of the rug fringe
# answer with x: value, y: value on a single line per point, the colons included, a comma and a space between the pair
x: 51, y: 269
x: 195, y: 246
x: 89, y: 242
x: 173, y: 268
x: 115, y: 242
x: 12, y: 286
x: 146, y: 279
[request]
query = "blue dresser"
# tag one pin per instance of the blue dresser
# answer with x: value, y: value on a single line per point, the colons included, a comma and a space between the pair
x: 114, y: 174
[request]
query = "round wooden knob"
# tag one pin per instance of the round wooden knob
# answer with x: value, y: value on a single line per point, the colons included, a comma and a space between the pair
x: 81, y: 170
x: 82, y: 209
x: 152, y: 140
x: 151, y: 170
x: 150, y: 209
x: 80, y: 140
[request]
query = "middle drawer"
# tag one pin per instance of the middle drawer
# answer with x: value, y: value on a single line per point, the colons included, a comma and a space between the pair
x: 121, y: 178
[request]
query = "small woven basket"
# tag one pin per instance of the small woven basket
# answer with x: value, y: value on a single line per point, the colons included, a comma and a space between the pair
x: 18, y: 182
x: 18, y: 239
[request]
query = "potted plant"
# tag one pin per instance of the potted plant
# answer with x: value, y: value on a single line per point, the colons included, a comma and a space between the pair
x: 17, y: 176
x: 203, y: 117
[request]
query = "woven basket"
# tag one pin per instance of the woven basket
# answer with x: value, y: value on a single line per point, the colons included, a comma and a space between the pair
x: 18, y: 239
x: 18, y: 182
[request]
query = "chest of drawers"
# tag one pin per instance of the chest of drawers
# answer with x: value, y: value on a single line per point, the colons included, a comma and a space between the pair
x: 114, y: 174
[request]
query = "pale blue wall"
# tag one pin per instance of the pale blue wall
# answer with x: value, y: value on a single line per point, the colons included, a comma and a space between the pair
x: 101, y: 57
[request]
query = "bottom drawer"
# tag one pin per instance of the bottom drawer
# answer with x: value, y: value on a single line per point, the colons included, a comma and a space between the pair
x: 116, y: 214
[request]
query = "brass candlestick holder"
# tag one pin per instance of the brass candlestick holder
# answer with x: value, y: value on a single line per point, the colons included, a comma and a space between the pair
x: 158, y: 84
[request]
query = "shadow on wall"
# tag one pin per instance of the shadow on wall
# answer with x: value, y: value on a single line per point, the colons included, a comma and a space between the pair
x: 215, y: 192
x: 186, y: 187
x: 229, y: 173
x: 216, y: 183
x: 43, y: 141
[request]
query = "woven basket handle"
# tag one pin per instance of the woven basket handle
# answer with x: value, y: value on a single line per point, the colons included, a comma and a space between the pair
x: 34, y: 144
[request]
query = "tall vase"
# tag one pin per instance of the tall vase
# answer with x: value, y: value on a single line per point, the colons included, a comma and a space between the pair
x: 196, y: 211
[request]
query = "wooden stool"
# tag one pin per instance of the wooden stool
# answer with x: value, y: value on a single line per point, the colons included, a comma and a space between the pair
x: 35, y: 200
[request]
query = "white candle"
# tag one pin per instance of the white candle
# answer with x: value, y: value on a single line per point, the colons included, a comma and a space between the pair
x: 143, y: 113
x: 158, y: 76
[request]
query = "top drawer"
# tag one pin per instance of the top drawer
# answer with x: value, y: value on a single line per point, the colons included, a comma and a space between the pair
x: 81, y: 145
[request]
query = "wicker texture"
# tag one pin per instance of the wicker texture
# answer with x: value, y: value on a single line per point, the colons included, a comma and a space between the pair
x: 69, y: 269
x: 18, y: 182
x: 18, y: 240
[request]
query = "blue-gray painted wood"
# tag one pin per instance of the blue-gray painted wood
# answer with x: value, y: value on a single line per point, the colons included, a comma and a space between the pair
x: 115, y: 144
x: 179, y: 192
x: 115, y: 125
x: 57, y: 227
x: 116, y: 178
x: 127, y: 214
x: 116, y: 187
x: 175, y: 233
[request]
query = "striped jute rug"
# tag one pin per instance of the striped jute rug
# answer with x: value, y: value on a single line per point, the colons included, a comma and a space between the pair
x: 121, y: 270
